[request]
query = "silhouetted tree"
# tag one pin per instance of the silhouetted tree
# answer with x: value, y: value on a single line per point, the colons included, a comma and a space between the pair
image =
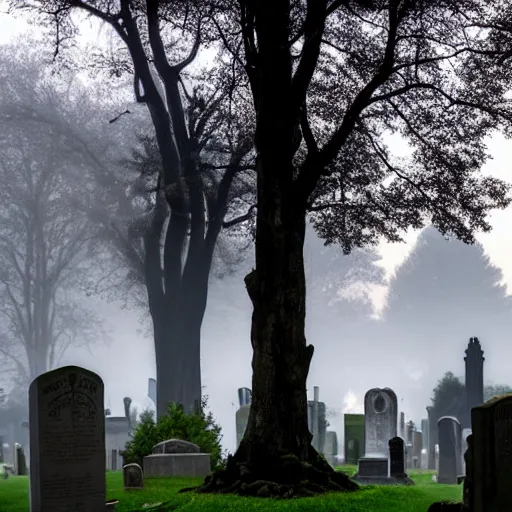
x: 45, y: 246
x: 203, y: 129
x: 328, y: 79
x: 449, y: 397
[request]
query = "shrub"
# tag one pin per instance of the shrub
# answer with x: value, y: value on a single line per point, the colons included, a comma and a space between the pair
x: 198, y: 427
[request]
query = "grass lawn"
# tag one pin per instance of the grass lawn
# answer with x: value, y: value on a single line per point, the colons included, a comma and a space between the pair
x: 14, y: 497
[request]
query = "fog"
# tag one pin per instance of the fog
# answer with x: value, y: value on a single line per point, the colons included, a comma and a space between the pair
x: 349, y: 358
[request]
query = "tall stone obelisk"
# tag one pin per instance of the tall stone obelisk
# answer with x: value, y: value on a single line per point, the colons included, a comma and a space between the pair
x: 474, y: 378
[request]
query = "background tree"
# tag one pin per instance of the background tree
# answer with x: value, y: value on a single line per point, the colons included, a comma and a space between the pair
x: 443, y: 293
x: 449, y: 397
x: 340, y: 284
x: 202, y: 147
x: 45, y: 245
x: 492, y: 390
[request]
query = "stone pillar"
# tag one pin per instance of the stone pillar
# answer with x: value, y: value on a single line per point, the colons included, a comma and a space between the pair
x: 474, y: 379
x: 402, y: 425
x: 316, y: 398
x: 432, y: 437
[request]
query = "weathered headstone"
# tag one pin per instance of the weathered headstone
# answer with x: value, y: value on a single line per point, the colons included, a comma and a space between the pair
x: 354, y: 437
x: 397, y: 457
x: 401, y: 432
x: 242, y: 417
x: 176, y: 458
x: 449, y: 450
x: 425, y: 438
x: 409, y: 454
x: 417, y: 446
x: 380, y: 408
x: 244, y: 396
x: 491, y: 441
x: 432, y: 437
x: 331, y: 447
x: 423, y: 459
x: 67, y: 441
x: 176, y: 446
x: 436, y: 459
x: 132, y: 476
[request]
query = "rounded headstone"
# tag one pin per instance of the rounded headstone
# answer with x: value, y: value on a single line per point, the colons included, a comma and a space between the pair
x: 176, y: 446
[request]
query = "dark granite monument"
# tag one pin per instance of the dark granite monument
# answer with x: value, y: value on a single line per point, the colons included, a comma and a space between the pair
x: 474, y: 379
x: 450, y: 458
x: 397, y: 461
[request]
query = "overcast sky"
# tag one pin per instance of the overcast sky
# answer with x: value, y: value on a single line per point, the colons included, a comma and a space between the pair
x: 342, y: 372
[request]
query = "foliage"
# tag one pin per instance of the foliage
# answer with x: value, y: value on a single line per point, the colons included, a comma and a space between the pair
x: 450, y: 281
x: 196, y: 427
x: 492, y: 390
x: 449, y: 397
x: 46, y: 246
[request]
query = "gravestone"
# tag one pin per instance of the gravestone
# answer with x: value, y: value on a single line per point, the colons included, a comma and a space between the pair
x: 425, y: 439
x: 491, y: 453
x: 176, y: 458
x: 432, y: 437
x: 449, y: 450
x: 244, y: 396
x: 380, y: 412
x: 331, y: 447
x: 402, y: 426
x: 67, y: 441
x: 354, y: 437
x: 397, y: 457
x: 132, y: 476
x: 242, y: 417
x: 21, y: 466
x: 152, y: 390
x: 436, y: 459
x: 417, y: 446
x: 176, y: 446
x: 466, y: 432
x: 474, y: 362
x: 423, y: 459
x: 409, y: 454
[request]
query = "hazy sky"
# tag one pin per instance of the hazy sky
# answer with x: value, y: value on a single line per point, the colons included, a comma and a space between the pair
x: 343, y: 373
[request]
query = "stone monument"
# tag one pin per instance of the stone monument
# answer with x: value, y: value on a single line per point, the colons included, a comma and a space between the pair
x: 380, y: 411
x: 176, y: 458
x: 67, y: 441
x: 132, y: 477
x: 474, y: 379
x: 450, y: 457
x: 354, y: 437
x: 489, y: 468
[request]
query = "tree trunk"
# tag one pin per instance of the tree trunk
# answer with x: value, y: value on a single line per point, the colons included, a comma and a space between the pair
x: 275, y: 456
x: 178, y: 369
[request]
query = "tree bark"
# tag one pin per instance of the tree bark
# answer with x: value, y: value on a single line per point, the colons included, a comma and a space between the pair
x: 275, y: 456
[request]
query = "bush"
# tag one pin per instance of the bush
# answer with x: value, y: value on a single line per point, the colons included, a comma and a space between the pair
x: 198, y: 427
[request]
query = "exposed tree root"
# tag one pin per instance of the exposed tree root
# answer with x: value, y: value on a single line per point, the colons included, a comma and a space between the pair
x: 287, y: 477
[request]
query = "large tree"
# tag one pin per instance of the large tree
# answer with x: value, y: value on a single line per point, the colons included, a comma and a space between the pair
x: 203, y: 148
x: 445, y: 292
x: 328, y: 79
x: 45, y: 246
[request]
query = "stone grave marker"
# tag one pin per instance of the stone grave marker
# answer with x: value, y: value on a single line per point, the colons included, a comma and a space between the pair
x: 354, y: 437
x: 132, y: 476
x: 67, y: 441
x: 490, y: 449
x: 381, y: 415
x: 396, y: 457
x: 450, y: 458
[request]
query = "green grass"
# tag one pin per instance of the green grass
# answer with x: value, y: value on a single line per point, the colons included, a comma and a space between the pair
x: 14, y: 497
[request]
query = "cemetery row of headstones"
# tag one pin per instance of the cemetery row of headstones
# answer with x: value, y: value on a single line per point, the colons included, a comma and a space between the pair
x: 67, y: 445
